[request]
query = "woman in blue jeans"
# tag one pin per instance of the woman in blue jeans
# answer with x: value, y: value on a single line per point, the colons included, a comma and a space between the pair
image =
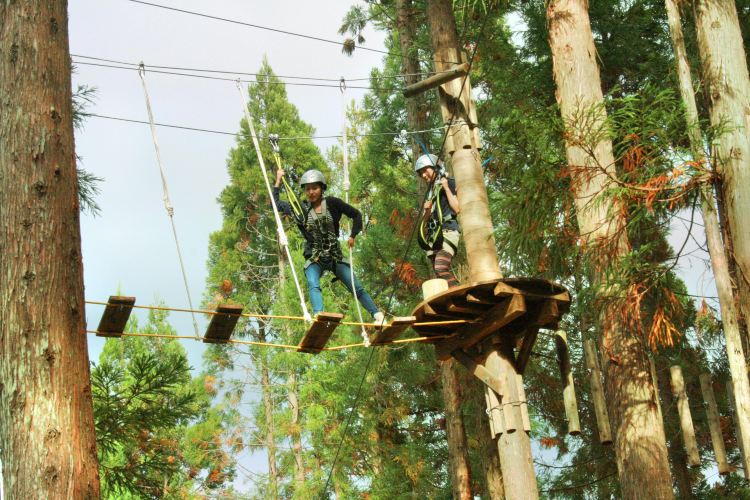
x: 318, y: 220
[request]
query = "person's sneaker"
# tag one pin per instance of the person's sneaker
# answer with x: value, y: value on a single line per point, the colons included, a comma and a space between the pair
x: 379, y: 318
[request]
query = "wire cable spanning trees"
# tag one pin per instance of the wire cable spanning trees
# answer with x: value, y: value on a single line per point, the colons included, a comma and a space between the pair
x: 289, y: 138
x: 245, y: 73
x: 257, y: 26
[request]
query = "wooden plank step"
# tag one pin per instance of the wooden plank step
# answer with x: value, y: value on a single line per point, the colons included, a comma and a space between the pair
x: 319, y: 332
x: 393, y: 330
x: 222, y: 325
x: 115, y: 316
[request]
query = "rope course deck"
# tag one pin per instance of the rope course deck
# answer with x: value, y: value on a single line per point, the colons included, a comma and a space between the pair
x: 513, y: 307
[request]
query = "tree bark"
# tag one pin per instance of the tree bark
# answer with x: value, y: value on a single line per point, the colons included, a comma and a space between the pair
x: 719, y: 262
x: 47, y: 441
x: 296, y: 433
x: 640, y: 445
x: 493, y: 475
x: 458, y: 451
x: 725, y: 76
x: 416, y: 116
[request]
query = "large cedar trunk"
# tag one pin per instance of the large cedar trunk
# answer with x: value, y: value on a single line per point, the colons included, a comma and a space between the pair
x: 640, y: 445
x: 458, y: 451
x: 719, y: 260
x: 416, y: 116
x: 457, y: 448
x: 725, y: 77
x: 47, y: 441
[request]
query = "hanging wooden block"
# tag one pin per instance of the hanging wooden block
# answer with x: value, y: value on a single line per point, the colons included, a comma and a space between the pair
x: 494, y: 412
x: 597, y: 392
x: 115, y: 316
x: 222, y: 324
x: 686, y: 421
x: 733, y: 409
x: 319, y: 332
x: 712, y: 415
x: 522, y: 403
x: 566, y: 375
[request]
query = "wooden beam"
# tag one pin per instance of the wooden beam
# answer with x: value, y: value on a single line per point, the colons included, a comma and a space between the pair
x: 436, y: 80
x: 529, y: 339
x: 597, y: 392
x: 686, y: 420
x: 566, y: 376
x: 319, y: 332
x: 115, y: 316
x: 222, y: 325
x: 479, y: 371
x: 393, y: 330
x: 495, y: 318
x: 712, y: 415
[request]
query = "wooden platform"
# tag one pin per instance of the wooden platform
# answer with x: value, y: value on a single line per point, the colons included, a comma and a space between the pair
x: 319, y: 332
x: 513, y: 307
x: 393, y: 330
x: 115, y: 316
x: 222, y: 324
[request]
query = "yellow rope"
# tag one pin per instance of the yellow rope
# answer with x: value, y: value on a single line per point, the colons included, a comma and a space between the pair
x: 276, y: 316
x: 285, y: 346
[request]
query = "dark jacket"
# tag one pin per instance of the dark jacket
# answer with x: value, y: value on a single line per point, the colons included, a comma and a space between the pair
x: 336, y: 207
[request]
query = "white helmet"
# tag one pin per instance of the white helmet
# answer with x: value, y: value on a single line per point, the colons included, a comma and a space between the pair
x: 424, y: 161
x: 313, y: 177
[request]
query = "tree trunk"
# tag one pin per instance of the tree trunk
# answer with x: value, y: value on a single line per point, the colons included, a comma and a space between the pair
x: 462, y: 142
x: 296, y: 433
x: 725, y: 76
x: 493, y: 476
x: 47, y: 441
x: 458, y: 451
x: 640, y: 445
x: 676, y: 450
x: 416, y: 116
x: 719, y: 263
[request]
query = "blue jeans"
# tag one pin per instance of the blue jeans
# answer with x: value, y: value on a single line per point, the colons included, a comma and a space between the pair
x: 314, y: 271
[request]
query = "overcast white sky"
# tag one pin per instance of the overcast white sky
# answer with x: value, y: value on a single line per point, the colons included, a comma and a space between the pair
x: 130, y: 245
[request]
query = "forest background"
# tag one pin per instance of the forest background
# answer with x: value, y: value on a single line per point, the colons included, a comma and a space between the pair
x: 514, y: 86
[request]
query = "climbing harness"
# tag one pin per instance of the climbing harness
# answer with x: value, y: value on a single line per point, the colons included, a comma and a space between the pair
x: 430, y: 234
x: 279, y: 226
x: 167, y: 202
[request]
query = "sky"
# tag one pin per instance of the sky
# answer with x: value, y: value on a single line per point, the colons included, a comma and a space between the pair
x: 130, y: 247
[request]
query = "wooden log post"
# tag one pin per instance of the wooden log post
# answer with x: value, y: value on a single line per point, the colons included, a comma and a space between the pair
x: 686, y: 421
x: 436, y: 80
x: 566, y: 376
x: 463, y: 144
x: 712, y: 415
x: 597, y: 392
x: 733, y: 409
x: 655, y: 381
